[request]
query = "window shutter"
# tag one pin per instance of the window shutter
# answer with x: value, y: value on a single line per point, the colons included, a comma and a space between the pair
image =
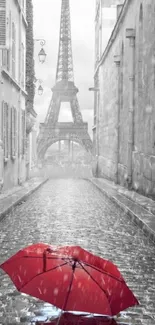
x: 23, y: 132
x: 13, y: 51
x: 4, y: 58
x: 7, y: 130
x: 23, y: 66
x: 6, y: 53
x: 2, y: 123
x: 3, y: 27
x: 16, y: 126
x: 13, y: 131
x: 4, y: 129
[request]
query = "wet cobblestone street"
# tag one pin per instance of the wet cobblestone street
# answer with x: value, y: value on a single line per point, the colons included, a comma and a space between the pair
x: 73, y: 211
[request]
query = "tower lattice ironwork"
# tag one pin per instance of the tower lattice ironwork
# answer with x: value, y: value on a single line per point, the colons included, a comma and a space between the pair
x: 64, y: 90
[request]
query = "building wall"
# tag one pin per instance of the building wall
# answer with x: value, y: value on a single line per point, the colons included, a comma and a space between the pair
x: 106, y: 15
x: 12, y: 98
x: 115, y: 95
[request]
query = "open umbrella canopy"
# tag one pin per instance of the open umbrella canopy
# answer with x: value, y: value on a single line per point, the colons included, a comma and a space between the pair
x: 70, y: 278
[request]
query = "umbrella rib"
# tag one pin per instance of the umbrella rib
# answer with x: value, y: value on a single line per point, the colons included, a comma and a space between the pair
x: 41, y: 274
x: 94, y: 280
x: 29, y: 257
x: 104, y: 272
x: 47, y: 257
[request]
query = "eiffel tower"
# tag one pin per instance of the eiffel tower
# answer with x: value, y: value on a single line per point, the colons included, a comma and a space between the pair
x: 51, y: 130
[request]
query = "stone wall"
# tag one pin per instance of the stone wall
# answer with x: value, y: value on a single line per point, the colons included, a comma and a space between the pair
x: 115, y: 83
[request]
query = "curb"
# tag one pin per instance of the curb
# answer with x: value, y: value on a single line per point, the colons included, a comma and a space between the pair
x: 22, y: 198
x: 135, y: 217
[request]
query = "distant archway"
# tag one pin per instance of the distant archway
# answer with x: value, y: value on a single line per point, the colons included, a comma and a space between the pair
x: 66, y: 160
x: 50, y: 142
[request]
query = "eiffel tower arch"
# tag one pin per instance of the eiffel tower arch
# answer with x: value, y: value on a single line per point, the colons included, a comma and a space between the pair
x: 51, y: 130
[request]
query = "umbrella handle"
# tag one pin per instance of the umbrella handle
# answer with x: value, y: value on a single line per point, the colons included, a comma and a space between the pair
x: 65, y: 304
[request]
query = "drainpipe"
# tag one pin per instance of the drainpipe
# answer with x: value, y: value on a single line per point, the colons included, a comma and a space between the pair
x: 97, y: 136
x: 117, y: 62
x: 69, y: 149
x: 96, y: 124
x: 19, y: 100
x: 130, y: 34
x: 72, y: 151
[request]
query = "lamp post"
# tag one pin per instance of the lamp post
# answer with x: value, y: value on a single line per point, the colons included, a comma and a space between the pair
x: 42, y: 54
x: 93, y: 89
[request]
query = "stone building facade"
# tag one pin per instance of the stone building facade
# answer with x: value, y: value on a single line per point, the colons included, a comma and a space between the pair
x: 124, y: 114
x: 13, y: 94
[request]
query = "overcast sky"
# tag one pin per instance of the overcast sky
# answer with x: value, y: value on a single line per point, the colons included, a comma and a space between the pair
x: 46, y: 26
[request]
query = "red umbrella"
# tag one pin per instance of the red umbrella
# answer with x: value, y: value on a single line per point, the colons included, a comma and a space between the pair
x: 70, y: 278
x: 72, y: 319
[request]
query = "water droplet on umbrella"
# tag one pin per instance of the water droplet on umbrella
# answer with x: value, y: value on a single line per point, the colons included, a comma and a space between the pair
x: 65, y: 277
x: 79, y: 285
x: 55, y: 292
x: 40, y: 291
x: 19, y: 279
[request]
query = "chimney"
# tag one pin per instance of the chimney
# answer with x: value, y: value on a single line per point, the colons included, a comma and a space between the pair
x: 119, y: 8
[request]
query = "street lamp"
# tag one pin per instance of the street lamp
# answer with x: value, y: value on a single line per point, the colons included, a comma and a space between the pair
x: 42, y: 55
x: 40, y: 90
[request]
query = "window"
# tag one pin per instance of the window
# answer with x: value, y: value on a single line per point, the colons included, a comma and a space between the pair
x: 3, y: 36
x: 13, y: 51
x: 6, y: 52
x: 6, y: 59
x: 23, y: 66
x: 122, y: 76
x: 5, y: 129
x: 23, y: 132
x: 13, y: 132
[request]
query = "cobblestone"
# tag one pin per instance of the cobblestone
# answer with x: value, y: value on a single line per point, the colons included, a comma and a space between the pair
x: 18, y: 194
x: 68, y: 211
x: 139, y: 208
